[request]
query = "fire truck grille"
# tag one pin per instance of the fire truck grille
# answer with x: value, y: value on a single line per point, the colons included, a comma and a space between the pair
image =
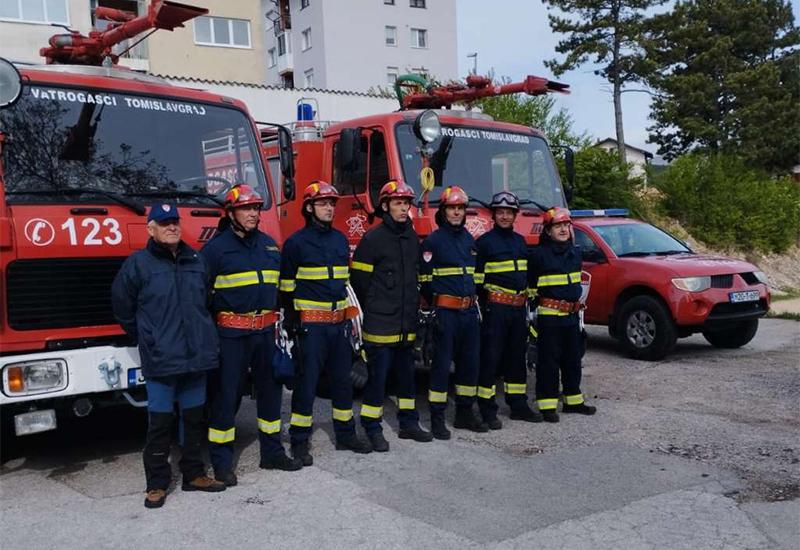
x: 60, y: 292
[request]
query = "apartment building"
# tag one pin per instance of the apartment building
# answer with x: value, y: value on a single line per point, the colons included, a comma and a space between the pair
x: 358, y: 44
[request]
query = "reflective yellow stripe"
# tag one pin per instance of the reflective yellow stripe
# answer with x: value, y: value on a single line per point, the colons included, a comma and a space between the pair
x: 269, y: 426
x: 541, y: 310
x: 533, y: 331
x: 221, y: 436
x: 362, y: 266
x: 424, y: 278
x: 287, y: 285
x: 371, y: 412
x: 405, y: 404
x: 576, y: 399
x: 466, y: 391
x: 312, y: 273
x: 522, y: 265
x: 342, y: 415
x: 244, y: 278
x: 500, y: 267
x: 479, y: 278
x: 269, y: 276
x: 532, y: 292
x: 554, y: 280
x: 300, y: 420
x: 341, y: 272
x: 547, y: 404
x: 486, y: 393
x: 437, y: 396
x: 498, y: 288
x: 575, y: 277
x: 389, y: 339
x: 319, y: 306
x: 447, y: 271
x: 514, y: 389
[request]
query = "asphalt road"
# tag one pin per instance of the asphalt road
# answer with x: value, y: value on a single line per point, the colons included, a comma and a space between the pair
x: 700, y: 450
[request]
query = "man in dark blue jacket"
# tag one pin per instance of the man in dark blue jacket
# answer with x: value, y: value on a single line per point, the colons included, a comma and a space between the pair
x: 159, y: 298
x: 314, y: 275
x: 244, y: 265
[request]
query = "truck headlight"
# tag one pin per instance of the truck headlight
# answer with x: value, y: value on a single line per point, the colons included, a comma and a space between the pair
x: 33, y: 377
x: 761, y: 276
x: 427, y: 126
x: 692, y: 284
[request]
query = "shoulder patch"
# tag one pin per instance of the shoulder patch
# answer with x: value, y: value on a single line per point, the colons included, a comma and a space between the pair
x: 272, y: 248
x: 427, y: 256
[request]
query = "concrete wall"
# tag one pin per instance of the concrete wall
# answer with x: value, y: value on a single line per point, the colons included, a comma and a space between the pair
x: 21, y: 41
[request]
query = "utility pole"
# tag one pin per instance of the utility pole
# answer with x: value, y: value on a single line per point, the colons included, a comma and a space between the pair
x: 474, y: 56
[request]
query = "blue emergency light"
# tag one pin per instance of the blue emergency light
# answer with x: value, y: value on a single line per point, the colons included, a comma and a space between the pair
x: 305, y: 111
x: 605, y: 213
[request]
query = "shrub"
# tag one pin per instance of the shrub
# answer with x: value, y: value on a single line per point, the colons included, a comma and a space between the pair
x: 601, y: 181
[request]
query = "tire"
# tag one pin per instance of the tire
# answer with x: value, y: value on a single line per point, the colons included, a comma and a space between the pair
x: 734, y: 336
x: 645, y: 328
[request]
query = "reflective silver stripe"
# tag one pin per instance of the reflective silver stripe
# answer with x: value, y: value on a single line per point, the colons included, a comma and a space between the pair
x: 287, y: 285
x: 437, y: 396
x: 547, y: 404
x: 576, y: 399
x: 312, y: 273
x: 371, y: 412
x: 300, y: 420
x: 404, y: 404
x: 244, y: 278
x: 269, y: 426
x: 221, y: 436
x: 343, y: 415
x: 486, y: 393
x: 466, y: 391
x: 515, y: 389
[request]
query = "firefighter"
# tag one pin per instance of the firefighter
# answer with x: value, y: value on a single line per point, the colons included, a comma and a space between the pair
x: 314, y: 275
x: 384, y: 278
x: 555, y: 276
x: 244, y: 265
x: 159, y: 298
x: 447, y: 272
x: 502, y: 274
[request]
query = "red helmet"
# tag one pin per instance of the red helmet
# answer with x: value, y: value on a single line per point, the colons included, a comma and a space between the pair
x: 320, y: 190
x: 396, y: 190
x: 453, y: 196
x: 242, y: 195
x: 556, y: 215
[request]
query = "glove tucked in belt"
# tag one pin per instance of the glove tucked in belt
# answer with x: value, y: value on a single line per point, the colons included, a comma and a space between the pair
x: 247, y: 321
x: 561, y: 305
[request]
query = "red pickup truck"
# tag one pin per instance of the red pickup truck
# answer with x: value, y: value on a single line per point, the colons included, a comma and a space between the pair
x: 650, y: 288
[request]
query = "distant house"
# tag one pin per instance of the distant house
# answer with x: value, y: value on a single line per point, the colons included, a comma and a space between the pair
x: 639, y: 158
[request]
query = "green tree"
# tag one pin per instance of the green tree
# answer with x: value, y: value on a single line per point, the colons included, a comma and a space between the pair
x: 607, y: 33
x: 728, y: 81
x: 601, y: 181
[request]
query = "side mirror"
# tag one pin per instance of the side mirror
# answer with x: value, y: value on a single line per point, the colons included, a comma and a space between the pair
x: 10, y: 84
x: 348, y: 149
x: 286, y: 157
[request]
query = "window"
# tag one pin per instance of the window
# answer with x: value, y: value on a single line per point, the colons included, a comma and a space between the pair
x: 391, y: 75
x: 272, y: 58
x: 389, y: 2
x: 306, y: 39
x: 309, y: 78
x: 419, y: 38
x: 281, y: 44
x: 304, y: 4
x: 391, y: 36
x: 35, y: 11
x: 417, y: 3
x: 421, y: 71
x: 221, y: 31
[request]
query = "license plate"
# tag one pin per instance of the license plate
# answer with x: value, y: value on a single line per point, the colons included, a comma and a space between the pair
x: 135, y: 377
x: 746, y: 296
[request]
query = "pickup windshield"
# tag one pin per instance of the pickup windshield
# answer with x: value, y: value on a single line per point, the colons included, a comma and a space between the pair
x: 484, y: 161
x: 60, y: 140
x: 639, y: 239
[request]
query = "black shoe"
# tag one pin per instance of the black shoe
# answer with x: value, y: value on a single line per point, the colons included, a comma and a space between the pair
x: 493, y: 423
x: 300, y: 452
x: 466, y: 420
x: 227, y: 477
x: 416, y: 433
x: 155, y: 498
x: 353, y: 443
x: 527, y: 414
x: 439, y: 428
x: 279, y: 461
x: 379, y: 443
x: 205, y: 484
x: 581, y: 408
x: 550, y: 416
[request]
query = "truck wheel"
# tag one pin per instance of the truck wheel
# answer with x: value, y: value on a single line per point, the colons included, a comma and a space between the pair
x: 734, y: 336
x: 645, y: 328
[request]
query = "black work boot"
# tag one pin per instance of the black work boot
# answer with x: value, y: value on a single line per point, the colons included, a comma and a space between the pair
x: 438, y: 427
x: 493, y: 422
x: 300, y: 451
x: 580, y: 408
x: 467, y: 420
x: 379, y: 443
x: 279, y: 461
x: 526, y: 413
x: 416, y: 433
x: 228, y: 477
x: 550, y: 415
x: 352, y: 442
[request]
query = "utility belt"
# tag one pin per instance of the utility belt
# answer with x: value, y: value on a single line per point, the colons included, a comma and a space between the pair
x: 515, y: 300
x: 454, y: 302
x: 561, y: 305
x: 247, y: 321
x: 332, y: 317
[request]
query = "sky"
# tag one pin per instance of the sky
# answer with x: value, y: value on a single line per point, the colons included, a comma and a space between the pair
x: 513, y: 38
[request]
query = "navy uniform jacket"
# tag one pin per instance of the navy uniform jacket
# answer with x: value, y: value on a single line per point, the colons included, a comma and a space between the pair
x: 244, y: 273
x: 314, y: 268
x: 502, y: 264
x: 555, y: 272
x: 447, y: 265
x: 160, y: 300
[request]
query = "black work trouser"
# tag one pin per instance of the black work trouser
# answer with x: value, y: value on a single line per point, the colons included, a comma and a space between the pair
x: 380, y: 361
x: 559, y: 351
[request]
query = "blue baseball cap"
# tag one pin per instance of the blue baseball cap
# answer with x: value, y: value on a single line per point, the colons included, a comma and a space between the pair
x: 163, y: 211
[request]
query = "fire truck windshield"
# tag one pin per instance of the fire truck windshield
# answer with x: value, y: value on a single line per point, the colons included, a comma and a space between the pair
x: 67, y: 139
x: 483, y: 161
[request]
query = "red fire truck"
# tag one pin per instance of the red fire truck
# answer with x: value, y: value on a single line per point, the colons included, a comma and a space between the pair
x: 85, y: 148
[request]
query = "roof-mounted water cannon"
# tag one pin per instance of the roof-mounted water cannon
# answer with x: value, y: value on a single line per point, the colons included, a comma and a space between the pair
x: 414, y: 92
x: 77, y: 49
